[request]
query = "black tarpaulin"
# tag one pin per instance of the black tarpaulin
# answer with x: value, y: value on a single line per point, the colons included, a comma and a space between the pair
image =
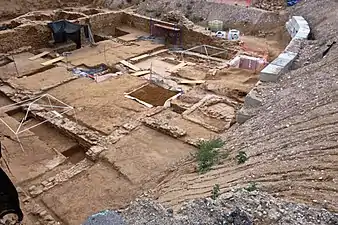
x: 64, y: 30
x: 9, y: 198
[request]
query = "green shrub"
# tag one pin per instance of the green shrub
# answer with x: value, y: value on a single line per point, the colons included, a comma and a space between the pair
x: 208, y: 154
x: 241, y: 157
x: 251, y: 187
x: 215, y: 192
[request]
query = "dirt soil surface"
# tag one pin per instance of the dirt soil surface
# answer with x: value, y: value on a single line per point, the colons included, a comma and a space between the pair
x: 35, y: 159
x: 101, y: 106
x: 12, y: 8
x: 40, y: 81
x: 22, y: 66
x: 110, y: 52
x: 232, y: 82
x: 153, y: 94
x: 291, y: 143
x: 80, y: 197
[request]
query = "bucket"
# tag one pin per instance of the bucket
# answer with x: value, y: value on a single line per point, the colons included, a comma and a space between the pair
x: 215, y: 25
x: 233, y: 34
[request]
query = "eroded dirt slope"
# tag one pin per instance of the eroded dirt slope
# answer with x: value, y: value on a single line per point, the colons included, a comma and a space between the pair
x: 12, y: 8
x: 292, y: 142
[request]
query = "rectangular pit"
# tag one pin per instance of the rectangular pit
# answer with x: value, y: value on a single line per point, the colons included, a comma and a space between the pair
x: 5, y: 60
x: 51, y: 136
x: 75, y: 154
x: 152, y: 94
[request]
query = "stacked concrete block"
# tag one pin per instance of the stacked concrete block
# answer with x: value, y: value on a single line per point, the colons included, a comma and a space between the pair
x: 243, y: 115
x: 298, y: 27
x: 252, y: 102
x: 253, y: 99
x: 270, y: 73
x: 299, y: 30
x: 280, y: 65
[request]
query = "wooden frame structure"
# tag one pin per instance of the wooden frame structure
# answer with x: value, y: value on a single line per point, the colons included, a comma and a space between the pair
x: 33, y: 104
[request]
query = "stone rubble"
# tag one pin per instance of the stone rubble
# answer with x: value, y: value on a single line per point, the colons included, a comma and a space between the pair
x: 164, y: 127
x: 238, y: 208
x: 59, y: 178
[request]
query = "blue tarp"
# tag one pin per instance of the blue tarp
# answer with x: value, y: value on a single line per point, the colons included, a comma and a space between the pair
x: 106, y: 217
x: 89, y: 72
x: 292, y: 2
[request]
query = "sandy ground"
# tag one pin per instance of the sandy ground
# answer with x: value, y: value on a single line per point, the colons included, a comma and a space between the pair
x: 38, y: 81
x: 143, y: 159
x: 101, y: 106
x: 233, y: 82
x: 192, y: 72
x: 264, y: 45
x: 36, y: 158
x: 153, y: 94
x: 51, y: 136
x: 133, y: 35
x: 75, y: 200
x: 4, y: 100
x: 146, y: 154
x: 21, y: 67
x: 157, y: 65
x: 110, y: 52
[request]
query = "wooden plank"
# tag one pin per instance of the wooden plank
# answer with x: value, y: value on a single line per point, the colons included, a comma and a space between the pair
x: 50, y: 62
x: 191, y: 82
x: 139, y: 101
x: 177, y: 67
x: 39, y: 55
x: 131, y: 66
x: 201, y: 56
x: 166, y: 27
x: 158, y: 52
x: 140, y: 73
x: 137, y: 58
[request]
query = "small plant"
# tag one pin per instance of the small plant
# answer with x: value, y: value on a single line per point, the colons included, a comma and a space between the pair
x: 208, y: 154
x: 251, y: 187
x: 241, y: 157
x: 215, y: 192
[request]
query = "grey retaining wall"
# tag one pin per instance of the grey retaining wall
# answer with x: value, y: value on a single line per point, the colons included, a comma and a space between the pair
x: 299, y: 30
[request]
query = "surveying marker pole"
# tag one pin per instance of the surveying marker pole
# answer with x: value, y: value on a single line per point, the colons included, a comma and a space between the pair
x: 17, y: 137
x: 151, y: 72
x: 16, y: 68
x: 66, y: 54
x: 151, y: 26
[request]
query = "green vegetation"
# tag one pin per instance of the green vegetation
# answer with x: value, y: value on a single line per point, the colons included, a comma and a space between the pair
x: 251, y: 187
x: 241, y: 157
x: 215, y: 192
x: 208, y: 154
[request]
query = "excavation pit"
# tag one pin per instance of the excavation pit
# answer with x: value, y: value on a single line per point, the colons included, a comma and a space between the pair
x: 104, y: 120
x: 4, y: 61
x: 98, y: 38
x: 152, y: 94
x: 75, y: 154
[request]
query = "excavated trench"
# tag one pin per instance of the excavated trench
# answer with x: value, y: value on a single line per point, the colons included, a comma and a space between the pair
x: 54, y: 138
x: 153, y: 94
x: 135, y: 157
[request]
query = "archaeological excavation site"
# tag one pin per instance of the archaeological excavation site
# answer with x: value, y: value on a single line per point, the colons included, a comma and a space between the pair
x: 117, y: 112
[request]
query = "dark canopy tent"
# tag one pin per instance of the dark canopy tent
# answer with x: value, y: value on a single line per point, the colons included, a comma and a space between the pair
x: 63, y: 30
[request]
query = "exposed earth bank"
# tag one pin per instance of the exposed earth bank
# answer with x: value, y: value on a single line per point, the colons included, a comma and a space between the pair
x: 291, y: 143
